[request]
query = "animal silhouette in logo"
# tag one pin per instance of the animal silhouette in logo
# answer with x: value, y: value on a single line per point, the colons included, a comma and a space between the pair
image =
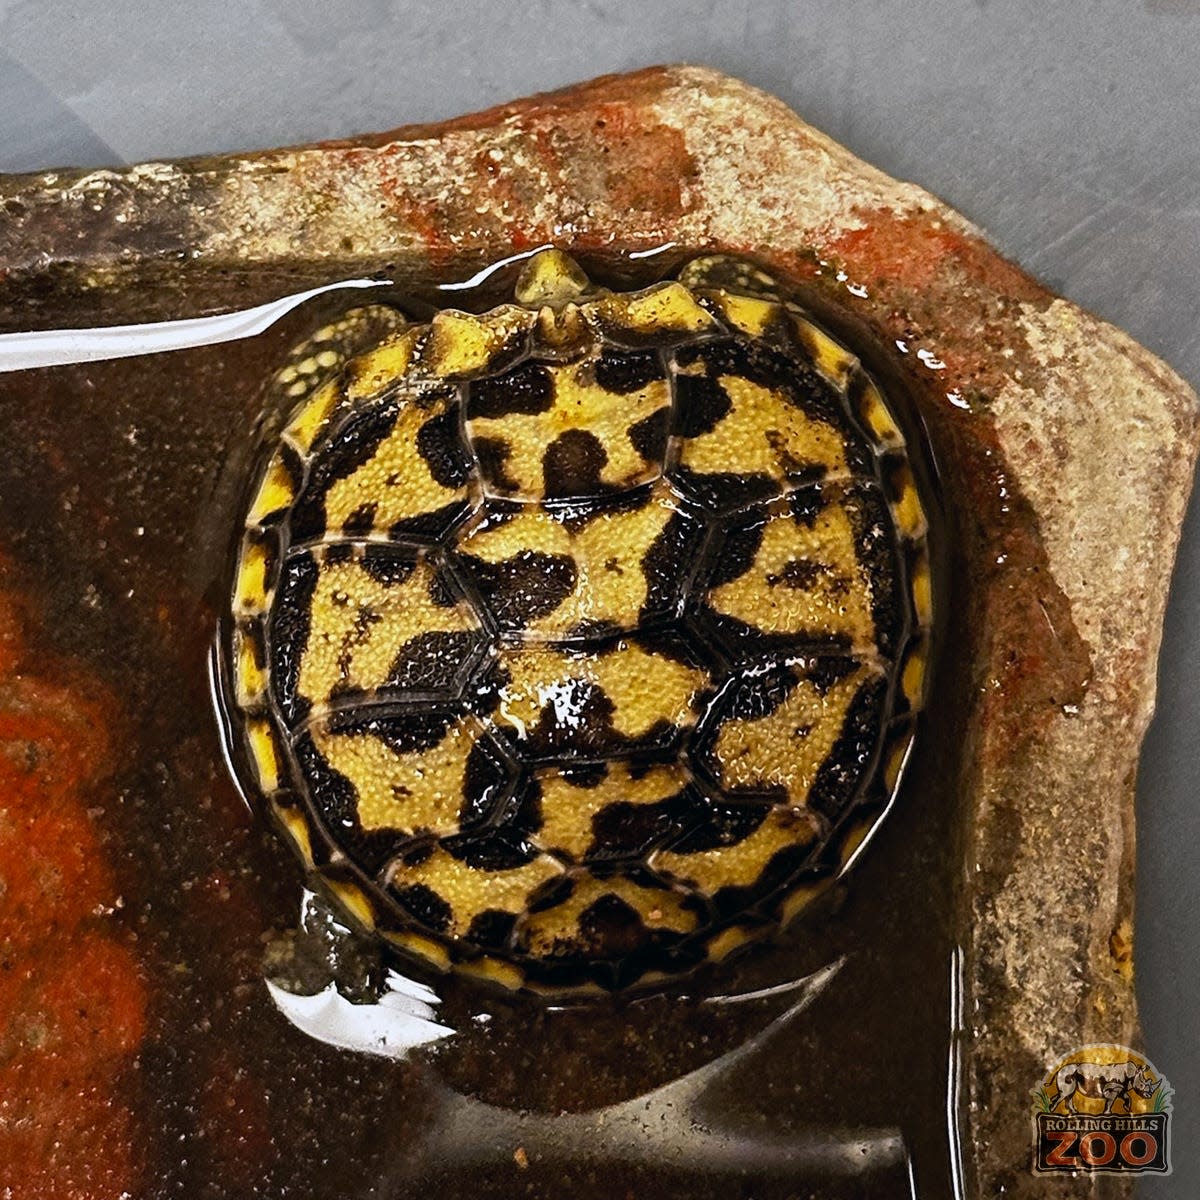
x: 1110, y: 1082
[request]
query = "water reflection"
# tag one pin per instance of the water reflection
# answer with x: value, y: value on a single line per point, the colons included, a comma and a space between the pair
x: 62, y: 347
x: 679, y: 1118
x: 678, y: 1122
x: 399, y: 1021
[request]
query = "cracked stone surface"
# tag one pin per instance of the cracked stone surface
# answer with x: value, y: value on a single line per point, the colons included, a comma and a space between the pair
x: 1064, y: 454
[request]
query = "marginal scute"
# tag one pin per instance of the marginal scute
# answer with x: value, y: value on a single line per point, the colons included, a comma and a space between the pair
x: 910, y: 514
x: 747, y: 314
x: 249, y: 671
x: 799, y: 898
x: 274, y: 495
x: 912, y: 678
x: 551, y: 277
x: 461, y: 345
x: 312, y: 417
x: 897, y: 756
x: 922, y: 592
x: 494, y: 971
x: 879, y: 421
x: 660, y: 313
x: 264, y: 753
x: 723, y: 944
x: 374, y: 370
x: 252, y: 587
x: 354, y: 901
x: 577, y: 641
x: 830, y: 357
x: 297, y: 830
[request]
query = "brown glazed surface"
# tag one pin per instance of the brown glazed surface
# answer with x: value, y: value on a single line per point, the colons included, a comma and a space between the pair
x: 1006, y: 862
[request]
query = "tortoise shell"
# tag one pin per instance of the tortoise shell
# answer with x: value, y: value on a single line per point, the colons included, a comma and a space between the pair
x: 576, y: 642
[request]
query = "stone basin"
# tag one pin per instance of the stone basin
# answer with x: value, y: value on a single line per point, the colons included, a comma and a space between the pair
x: 987, y: 933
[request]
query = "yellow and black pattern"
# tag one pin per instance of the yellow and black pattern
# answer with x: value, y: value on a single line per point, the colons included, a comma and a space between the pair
x: 815, y: 567
x: 359, y: 622
x: 578, y: 641
x: 550, y: 431
x: 561, y: 573
x: 578, y: 703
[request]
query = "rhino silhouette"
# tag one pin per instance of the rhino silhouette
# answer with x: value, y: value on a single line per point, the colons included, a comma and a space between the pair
x: 1110, y: 1082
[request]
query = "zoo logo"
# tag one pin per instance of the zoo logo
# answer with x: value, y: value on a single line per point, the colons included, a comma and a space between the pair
x: 1102, y: 1109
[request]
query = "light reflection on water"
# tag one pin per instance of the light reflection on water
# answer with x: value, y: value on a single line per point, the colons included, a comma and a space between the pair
x: 62, y: 347
x: 399, y: 1021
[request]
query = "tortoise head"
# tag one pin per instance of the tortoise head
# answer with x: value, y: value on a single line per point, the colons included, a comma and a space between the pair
x: 551, y: 277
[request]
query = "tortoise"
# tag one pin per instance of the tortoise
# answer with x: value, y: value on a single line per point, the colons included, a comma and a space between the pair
x: 577, y: 642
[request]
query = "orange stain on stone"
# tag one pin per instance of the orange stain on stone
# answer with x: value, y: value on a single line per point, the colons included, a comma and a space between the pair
x: 646, y: 164
x: 506, y: 194
x: 72, y: 997
x: 602, y: 156
x: 940, y: 292
x: 916, y: 250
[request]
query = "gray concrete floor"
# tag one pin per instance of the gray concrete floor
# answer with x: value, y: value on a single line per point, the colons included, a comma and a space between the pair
x: 1070, y: 132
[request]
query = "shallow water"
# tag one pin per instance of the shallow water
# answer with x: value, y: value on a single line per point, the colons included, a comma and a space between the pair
x: 117, y: 515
